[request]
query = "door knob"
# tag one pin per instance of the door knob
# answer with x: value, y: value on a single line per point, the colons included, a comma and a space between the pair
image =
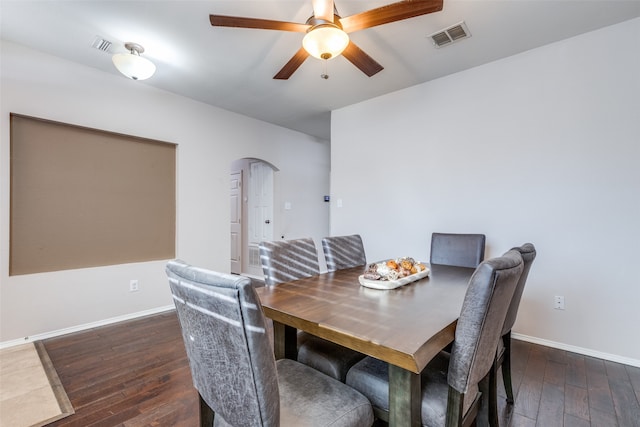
x: 267, y: 221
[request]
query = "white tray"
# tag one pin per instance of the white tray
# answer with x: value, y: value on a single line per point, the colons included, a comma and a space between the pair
x: 392, y: 284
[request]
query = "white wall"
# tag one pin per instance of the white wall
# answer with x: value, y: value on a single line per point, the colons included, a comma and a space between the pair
x: 543, y: 147
x: 208, y: 139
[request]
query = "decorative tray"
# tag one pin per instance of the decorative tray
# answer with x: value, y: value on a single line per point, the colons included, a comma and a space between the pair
x: 390, y: 275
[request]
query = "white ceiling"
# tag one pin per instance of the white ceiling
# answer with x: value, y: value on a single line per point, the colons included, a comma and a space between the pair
x: 232, y: 68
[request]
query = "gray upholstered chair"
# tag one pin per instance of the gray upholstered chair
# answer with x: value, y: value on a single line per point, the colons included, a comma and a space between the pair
x: 288, y: 260
x: 232, y: 363
x: 503, y: 355
x: 342, y: 252
x: 455, y: 385
x: 460, y: 250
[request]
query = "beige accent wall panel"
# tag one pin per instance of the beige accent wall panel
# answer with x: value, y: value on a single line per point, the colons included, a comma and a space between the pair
x: 83, y: 197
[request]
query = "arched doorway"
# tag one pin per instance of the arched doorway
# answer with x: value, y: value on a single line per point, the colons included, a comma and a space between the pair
x: 252, y: 213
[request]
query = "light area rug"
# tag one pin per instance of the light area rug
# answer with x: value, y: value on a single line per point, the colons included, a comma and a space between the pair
x: 31, y: 393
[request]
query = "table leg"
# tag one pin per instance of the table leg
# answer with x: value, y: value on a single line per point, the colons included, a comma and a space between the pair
x: 404, y: 398
x: 285, y: 341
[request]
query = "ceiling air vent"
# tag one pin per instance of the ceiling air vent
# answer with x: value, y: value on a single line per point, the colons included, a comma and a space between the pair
x: 451, y: 34
x: 101, y: 44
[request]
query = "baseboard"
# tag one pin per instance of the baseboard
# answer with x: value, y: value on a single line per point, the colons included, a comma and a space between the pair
x: 580, y: 350
x: 86, y: 326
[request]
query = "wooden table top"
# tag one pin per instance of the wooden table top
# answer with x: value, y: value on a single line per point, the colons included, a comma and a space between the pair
x: 406, y: 326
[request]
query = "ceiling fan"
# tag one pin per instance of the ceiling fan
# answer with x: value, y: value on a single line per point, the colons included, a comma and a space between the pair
x: 327, y: 32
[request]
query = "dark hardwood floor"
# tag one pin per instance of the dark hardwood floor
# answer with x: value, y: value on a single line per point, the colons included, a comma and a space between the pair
x: 136, y: 373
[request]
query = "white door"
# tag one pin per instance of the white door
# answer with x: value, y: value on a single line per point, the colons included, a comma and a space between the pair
x: 260, y: 211
x: 236, y: 222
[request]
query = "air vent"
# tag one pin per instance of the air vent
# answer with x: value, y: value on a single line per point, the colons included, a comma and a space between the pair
x: 101, y: 44
x: 254, y: 257
x: 451, y: 34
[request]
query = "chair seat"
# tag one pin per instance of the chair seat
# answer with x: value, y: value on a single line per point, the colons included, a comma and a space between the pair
x: 309, y: 398
x: 327, y: 357
x: 371, y: 378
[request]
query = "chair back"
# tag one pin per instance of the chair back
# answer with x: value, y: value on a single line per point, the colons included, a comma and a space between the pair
x: 342, y: 252
x: 460, y: 250
x: 287, y: 260
x: 223, y: 328
x: 528, y: 252
x: 484, y: 309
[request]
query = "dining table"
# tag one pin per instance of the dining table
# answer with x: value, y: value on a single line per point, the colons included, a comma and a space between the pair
x: 405, y: 327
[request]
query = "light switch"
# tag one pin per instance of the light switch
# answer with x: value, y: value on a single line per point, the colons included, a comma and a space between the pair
x: 287, y: 206
x: 339, y: 203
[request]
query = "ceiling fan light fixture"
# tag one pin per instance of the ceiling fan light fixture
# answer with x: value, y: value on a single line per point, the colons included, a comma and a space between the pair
x: 132, y: 64
x: 325, y: 41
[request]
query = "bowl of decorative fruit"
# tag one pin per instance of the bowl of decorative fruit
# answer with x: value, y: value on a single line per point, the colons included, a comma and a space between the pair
x: 393, y: 273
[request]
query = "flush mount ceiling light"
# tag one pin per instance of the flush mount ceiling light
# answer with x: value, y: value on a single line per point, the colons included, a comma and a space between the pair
x: 132, y: 64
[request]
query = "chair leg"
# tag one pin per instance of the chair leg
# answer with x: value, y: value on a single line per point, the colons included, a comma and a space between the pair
x: 482, y: 419
x: 206, y: 413
x: 493, y: 394
x: 506, y: 367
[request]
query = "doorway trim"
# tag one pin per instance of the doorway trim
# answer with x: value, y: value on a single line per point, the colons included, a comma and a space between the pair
x: 249, y: 263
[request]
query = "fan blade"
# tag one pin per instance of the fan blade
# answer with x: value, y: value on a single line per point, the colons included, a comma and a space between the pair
x: 323, y: 9
x: 293, y: 64
x: 390, y: 13
x: 261, y: 24
x: 360, y: 59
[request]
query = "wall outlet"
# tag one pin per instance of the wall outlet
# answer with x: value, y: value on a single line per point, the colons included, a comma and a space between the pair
x: 133, y: 286
x: 558, y: 302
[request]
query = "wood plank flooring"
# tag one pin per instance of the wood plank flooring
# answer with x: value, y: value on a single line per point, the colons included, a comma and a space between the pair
x: 136, y: 373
